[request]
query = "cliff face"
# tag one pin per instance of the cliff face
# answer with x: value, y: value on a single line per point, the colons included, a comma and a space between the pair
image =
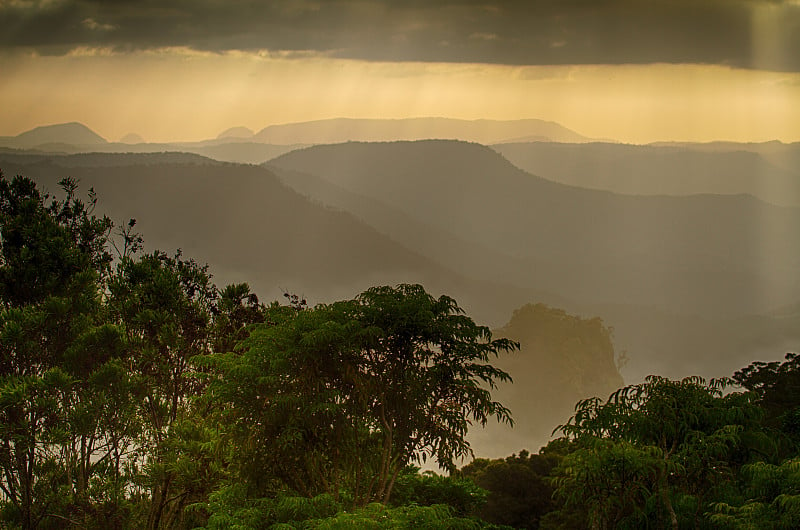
x: 562, y: 359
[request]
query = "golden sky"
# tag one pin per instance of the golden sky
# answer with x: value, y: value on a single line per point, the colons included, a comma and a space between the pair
x: 695, y: 70
x: 179, y: 94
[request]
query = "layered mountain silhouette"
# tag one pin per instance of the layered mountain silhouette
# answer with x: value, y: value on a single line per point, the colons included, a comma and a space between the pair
x: 770, y: 172
x: 251, y: 227
x: 786, y: 156
x: 241, y: 151
x: 60, y: 141
x: 240, y: 144
x: 705, y: 252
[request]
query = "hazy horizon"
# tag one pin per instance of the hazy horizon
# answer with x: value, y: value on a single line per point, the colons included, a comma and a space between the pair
x: 219, y: 135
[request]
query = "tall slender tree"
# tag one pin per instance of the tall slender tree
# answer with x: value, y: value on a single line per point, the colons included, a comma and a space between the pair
x: 54, y: 259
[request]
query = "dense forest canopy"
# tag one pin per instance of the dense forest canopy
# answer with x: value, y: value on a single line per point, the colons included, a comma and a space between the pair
x: 136, y: 393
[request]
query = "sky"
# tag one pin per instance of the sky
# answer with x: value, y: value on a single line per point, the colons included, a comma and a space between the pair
x: 631, y: 70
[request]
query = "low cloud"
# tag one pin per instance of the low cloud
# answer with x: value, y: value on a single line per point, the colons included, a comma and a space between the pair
x: 516, y: 32
x: 29, y: 5
x: 92, y: 24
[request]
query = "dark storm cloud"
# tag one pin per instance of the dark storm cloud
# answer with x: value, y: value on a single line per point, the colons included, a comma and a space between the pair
x: 747, y: 33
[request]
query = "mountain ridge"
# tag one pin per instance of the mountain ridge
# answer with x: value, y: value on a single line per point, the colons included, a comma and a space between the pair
x: 337, y: 130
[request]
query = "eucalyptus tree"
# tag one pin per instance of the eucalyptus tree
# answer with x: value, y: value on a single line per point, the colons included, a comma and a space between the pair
x: 339, y: 398
x: 165, y: 304
x: 57, y: 350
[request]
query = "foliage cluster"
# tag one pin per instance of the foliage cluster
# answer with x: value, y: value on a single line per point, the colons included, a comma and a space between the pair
x: 519, y: 488
x: 661, y: 454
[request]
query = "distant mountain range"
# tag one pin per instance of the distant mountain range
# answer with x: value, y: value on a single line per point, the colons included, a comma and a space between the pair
x: 374, y: 130
x: 769, y: 171
x: 679, y: 278
x: 227, y: 149
x: 240, y: 144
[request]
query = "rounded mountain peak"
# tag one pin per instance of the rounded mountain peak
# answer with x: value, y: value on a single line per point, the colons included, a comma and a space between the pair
x: 236, y: 132
x: 72, y: 133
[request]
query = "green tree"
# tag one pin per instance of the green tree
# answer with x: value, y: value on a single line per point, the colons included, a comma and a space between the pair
x: 341, y: 397
x: 99, y: 426
x: 776, y: 386
x: 609, y: 483
x: 684, y: 440
x: 772, y: 496
x: 55, y: 347
x: 165, y: 304
x: 428, y: 488
x: 236, y: 309
x: 230, y: 507
x: 171, y: 312
x: 519, y: 489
